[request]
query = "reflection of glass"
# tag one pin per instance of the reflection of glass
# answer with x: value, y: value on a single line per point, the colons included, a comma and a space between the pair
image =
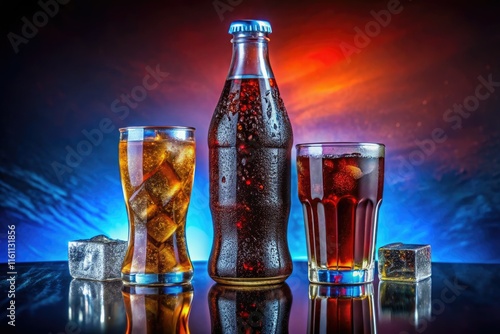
x: 264, y: 309
x: 405, y: 300
x: 341, y: 309
x: 96, y: 306
x: 157, y: 309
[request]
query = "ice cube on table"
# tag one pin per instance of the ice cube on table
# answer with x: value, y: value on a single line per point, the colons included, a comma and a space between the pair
x: 404, y: 262
x: 163, y: 184
x: 98, y: 258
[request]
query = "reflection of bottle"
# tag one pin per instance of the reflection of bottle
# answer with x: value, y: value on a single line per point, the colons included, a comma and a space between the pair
x: 264, y: 309
x: 405, y: 300
x: 341, y: 309
x: 152, y: 309
x: 96, y: 306
x: 250, y: 139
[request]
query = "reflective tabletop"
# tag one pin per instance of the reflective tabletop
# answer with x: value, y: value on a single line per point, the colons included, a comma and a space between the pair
x: 458, y: 298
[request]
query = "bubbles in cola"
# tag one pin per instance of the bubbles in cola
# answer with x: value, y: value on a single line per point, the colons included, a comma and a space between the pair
x: 341, y: 196
x: 250, y: 140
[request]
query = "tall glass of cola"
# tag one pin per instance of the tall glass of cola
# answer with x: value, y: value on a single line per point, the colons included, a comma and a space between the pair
x: 157, y: 171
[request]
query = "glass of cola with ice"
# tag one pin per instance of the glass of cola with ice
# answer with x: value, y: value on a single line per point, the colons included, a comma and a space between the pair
x: 340, y: 188
x: 157, y: 171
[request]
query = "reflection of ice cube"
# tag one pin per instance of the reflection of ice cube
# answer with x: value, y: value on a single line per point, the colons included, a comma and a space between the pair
x: 163, y: 184
x: 151, y: 310
x: 169, y: 306
x: 96, y: 306
x: 142, y: 204
x: 161, y: 227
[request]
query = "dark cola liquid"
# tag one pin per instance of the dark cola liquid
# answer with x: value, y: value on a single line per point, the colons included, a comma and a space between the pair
x: 250, y: 140
x: 340, y: 197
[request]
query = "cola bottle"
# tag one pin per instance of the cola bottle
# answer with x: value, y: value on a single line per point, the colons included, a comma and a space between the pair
x: 250, y: 140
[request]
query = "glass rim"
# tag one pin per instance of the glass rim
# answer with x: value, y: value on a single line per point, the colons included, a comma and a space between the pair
x: 159, y: 127
x: 340, y: 144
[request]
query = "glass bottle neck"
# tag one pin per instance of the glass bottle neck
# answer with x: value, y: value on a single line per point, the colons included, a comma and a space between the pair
x: 250, y: 56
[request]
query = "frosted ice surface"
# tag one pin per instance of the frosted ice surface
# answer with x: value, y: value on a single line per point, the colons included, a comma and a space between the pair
x: 98, y: 258
x: 404, y: 262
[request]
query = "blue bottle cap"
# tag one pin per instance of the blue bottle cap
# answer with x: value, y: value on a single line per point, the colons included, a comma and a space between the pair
x: 250, y: 25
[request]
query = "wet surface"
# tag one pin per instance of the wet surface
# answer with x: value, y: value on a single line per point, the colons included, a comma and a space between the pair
x: 458, y: 298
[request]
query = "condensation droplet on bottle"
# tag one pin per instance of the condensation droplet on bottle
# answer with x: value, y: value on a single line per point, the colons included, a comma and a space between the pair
x: 223, y: 179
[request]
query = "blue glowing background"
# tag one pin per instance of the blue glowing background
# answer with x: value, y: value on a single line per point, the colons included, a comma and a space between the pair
x: 391, y: 72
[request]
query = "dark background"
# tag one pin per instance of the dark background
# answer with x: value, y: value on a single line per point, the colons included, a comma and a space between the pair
x: 343, y: 77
